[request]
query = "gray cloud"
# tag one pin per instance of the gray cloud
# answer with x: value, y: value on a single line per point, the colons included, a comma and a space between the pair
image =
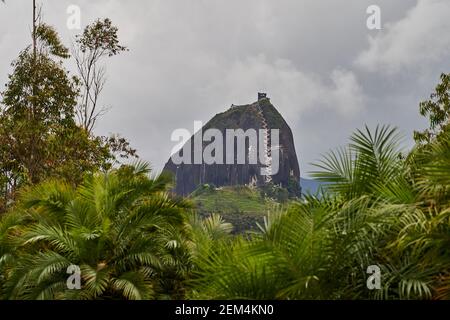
x: 417, y: 41
x: 324, y: 70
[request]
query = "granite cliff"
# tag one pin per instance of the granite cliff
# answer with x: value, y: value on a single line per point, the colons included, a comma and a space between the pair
x: 260, y: 116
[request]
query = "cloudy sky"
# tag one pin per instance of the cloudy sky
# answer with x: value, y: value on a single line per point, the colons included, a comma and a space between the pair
x: 324, y: 70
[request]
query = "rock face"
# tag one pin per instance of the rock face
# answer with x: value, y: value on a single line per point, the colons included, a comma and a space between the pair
x: 260, y: 116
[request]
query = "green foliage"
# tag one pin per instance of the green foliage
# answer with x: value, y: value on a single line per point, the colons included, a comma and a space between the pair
x: 307, y: 252
x: 121, y: 228
x: 101, y: 38
x: 230, y: 200
x: 275, y: 192
x: 379, y: 208
x: 39, y: 137
x: 437, y: 109
x: 38, y: 134
x: 50, y: 40
x: 293, y: 188
x: 369, y: 161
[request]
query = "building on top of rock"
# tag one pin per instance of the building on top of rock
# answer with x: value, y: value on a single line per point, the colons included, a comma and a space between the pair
x: 262, y: 95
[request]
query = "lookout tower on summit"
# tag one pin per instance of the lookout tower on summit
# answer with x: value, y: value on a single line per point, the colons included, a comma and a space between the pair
x: 262, y: 95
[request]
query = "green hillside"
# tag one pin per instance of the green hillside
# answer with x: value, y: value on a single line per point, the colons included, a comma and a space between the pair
x: 231, y: 200
x: 242, y: 206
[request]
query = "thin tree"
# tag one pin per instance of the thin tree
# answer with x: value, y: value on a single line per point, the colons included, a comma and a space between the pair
x: 34, y: 28
x: 98, y: 41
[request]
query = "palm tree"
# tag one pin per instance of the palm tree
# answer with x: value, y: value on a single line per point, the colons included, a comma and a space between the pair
x: 130, y: 239
x: 424, y: 230
x: 314, y: 250
x: 122, y: 229
x: 372, y: 159
x: 377, y: 208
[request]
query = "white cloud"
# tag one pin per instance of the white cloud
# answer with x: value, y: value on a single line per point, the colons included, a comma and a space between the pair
x: 294, y: 91
x: 416, y: 41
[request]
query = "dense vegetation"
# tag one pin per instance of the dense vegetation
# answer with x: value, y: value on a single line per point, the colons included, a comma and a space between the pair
x: 119, y: 228
x: 380, y: 208
x: 67, y: 203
